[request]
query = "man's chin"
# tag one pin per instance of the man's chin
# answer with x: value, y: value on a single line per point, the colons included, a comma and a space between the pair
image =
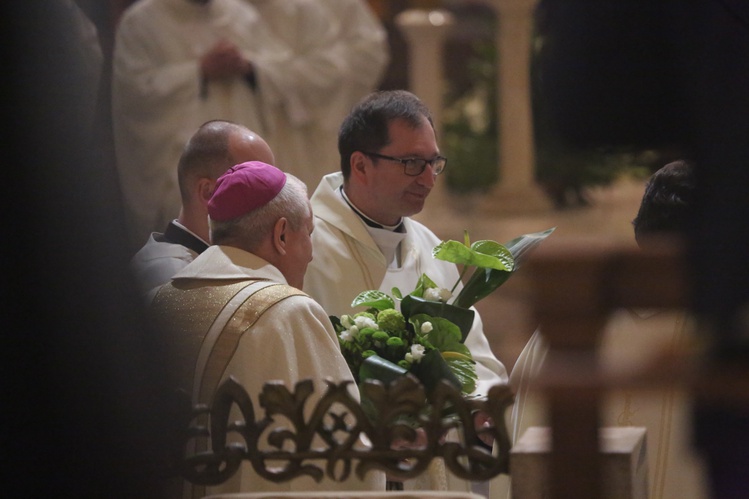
x: 414, y: 208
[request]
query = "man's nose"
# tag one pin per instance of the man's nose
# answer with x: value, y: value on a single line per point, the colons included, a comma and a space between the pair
x: 427, y: 178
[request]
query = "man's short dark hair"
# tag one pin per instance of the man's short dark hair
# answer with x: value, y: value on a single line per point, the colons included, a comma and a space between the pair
x: 366, y: 126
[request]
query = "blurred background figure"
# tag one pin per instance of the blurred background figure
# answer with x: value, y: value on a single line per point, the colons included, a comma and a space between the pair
x: 339, y: 54
x: 176, y: 65
x: 634, y: 338
x: 626, y: 71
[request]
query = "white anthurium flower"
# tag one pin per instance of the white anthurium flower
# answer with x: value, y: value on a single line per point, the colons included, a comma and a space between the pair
x: 426, y: 327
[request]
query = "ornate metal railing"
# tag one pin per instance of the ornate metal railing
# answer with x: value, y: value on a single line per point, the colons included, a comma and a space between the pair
x: 328, y: 439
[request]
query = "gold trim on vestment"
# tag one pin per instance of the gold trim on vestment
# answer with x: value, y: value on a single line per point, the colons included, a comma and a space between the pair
x: 246, y: 315
x: 185, y: 312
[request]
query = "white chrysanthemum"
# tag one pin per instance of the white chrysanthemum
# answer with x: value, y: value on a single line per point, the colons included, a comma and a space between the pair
x: 426, y: 327
x: 364, y: 321
x: 346, y: 335
x: 437, y: 294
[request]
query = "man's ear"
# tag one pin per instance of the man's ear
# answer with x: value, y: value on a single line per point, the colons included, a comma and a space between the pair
x: 205, y: 189
x: 280, y: 230
x: 359, y: 164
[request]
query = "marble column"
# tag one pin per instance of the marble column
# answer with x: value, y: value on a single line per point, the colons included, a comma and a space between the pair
x: 425, y: 32
x: 516, y: 190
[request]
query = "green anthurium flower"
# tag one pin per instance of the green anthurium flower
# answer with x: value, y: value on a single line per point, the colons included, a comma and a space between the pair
x: 486, y: 279
x: 484, y: 254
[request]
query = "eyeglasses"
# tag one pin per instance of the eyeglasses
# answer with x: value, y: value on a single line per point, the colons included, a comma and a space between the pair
x: 413, y: 167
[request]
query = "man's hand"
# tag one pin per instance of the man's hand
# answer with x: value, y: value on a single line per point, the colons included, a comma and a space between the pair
x: 224, y: 60
x: 419, y: 443
x: 482, y: 420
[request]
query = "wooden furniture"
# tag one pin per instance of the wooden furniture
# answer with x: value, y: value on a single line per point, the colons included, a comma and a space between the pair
x: 577, y: 284
x: 292, y: 450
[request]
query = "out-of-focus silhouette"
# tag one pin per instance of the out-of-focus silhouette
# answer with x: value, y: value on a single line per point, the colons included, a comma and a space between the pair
x: 80, y: 376
x: 664, y: 73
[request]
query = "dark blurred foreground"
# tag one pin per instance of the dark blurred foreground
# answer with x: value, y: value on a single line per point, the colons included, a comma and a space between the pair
x: 81, y: 405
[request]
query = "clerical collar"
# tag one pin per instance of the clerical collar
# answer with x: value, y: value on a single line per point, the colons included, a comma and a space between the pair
x: 393, y: 228
x: 176, y: 233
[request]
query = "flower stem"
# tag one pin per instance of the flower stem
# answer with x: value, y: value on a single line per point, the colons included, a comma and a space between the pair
x: 460, y: 278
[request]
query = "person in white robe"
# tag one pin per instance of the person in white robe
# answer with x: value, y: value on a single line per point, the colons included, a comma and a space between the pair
x: 237, y: 310
x: 631, y: 341
x: 339, y: 54
x: 364, y: 238
x: 214, y: 148
x: 176, y: 65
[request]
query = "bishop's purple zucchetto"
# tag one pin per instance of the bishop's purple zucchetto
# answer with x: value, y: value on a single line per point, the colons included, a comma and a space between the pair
x: 243, y: 188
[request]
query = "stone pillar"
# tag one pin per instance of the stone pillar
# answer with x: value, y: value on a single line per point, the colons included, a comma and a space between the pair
x: 516, y: 190
x: 425, y: 32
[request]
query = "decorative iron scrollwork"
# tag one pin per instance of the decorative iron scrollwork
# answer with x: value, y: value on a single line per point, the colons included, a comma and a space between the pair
x: 288, y: 442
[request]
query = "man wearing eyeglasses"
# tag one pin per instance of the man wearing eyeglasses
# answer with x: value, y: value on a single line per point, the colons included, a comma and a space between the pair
x: 364, y: 238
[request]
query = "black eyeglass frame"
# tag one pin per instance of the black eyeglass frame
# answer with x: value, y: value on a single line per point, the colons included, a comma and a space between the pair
x: 406, y: 161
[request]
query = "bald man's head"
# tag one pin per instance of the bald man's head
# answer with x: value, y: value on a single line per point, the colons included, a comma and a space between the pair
x: 214, y: 148
x: 245, y: 145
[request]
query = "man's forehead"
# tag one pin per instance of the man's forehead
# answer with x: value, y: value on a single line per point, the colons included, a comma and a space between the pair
x: 410, y: 138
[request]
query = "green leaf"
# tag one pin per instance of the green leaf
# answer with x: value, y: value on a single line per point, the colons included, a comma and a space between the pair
x: 490, y: 254
x: 481, y: 284
x: 461, y: 318
x: 445, y: 336
x: 373, y: 299
x: 376, y: 367
x: 465, y: 371
x: 522, y: 246
x: 431, y: 369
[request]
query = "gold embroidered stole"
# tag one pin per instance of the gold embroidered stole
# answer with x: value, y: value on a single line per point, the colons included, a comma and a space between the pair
x: 204, y: 322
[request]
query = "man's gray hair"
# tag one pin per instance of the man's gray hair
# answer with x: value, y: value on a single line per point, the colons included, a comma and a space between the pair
x: 249, y: 230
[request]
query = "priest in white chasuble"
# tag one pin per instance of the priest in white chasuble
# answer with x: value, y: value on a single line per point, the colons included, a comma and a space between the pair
x: 237, y: 309
x: 365, y: 239
x: 339, y: 53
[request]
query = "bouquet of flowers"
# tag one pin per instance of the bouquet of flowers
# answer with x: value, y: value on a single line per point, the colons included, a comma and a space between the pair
x: 425, y: 335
